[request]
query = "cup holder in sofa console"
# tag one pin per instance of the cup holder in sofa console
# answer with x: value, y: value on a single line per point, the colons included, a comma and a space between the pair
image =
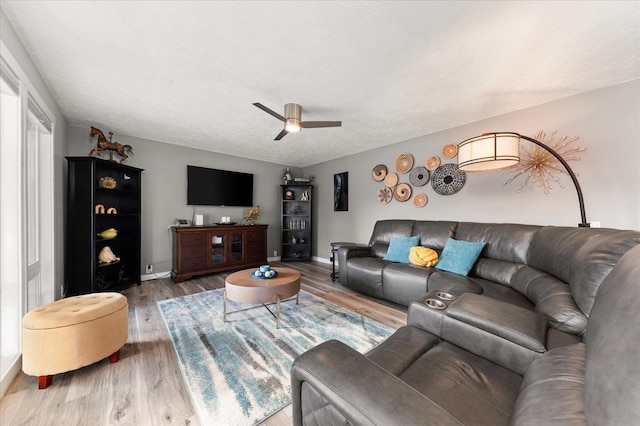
x: 435, y: 304
x: 445, y: 296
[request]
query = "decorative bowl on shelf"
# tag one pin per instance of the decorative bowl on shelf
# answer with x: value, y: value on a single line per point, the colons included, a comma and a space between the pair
x: 108, y: 234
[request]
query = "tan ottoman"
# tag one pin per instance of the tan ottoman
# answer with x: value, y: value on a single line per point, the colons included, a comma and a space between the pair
x: 72, y: 333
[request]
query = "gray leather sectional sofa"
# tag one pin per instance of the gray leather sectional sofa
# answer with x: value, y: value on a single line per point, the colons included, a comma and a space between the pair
x: 544, y: 330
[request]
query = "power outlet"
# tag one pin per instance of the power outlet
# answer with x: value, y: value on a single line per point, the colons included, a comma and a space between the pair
x: 275, y: 252
x: 149, y: 269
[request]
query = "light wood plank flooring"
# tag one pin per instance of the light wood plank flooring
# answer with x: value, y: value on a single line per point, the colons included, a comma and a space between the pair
x: 146, y: 386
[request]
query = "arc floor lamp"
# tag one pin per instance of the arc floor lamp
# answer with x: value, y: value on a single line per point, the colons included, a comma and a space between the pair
x: 498, y: 150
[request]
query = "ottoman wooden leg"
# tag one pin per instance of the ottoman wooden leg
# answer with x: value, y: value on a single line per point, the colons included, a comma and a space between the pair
x: 44, y: 381
x: 114, y: 357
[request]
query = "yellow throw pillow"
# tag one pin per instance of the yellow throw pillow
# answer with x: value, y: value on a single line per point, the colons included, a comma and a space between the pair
x: 423, y: 256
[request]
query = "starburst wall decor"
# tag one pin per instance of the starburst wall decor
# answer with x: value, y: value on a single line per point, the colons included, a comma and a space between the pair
x: 539, y: 167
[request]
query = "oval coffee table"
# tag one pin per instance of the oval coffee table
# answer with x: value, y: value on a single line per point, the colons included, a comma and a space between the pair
x: 243, y: 288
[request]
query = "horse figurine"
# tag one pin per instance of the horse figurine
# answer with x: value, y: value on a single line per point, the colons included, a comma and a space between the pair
x: 104, y: 144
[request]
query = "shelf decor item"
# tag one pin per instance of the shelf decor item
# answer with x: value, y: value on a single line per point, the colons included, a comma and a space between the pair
x: 107, y: 256
x: 499, y: 150
x: 251, y: 215
x: 108, y: 234
x: 108, y: 145
x: 107, y: 182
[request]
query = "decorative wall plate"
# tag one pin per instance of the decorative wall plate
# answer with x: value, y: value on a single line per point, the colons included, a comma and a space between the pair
x: 391, y: 180
x: 419, y: 176
x: 450, y: 151
x: 432, y: 163
x: 402, y: 192
x: 420, y: 200
x: 403, y: 163
x: 384, y: 195
x: 447, y: 179
x: 379, y: 172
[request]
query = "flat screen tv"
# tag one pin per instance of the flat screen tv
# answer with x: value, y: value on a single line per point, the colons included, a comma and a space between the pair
x: 213, y: 187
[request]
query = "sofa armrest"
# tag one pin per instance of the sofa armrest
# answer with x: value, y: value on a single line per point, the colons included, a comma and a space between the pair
x: 347, y: 252
x: 360, y: 390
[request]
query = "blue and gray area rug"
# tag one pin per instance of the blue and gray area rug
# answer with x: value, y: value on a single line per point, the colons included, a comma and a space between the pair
x: 239, y: 372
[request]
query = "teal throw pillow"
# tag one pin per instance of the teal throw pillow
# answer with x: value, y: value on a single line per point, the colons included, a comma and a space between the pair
x: 459, y: 256
x: 399, y: 248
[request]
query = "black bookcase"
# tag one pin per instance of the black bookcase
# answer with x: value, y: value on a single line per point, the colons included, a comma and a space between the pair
x: 94, y: 205
x: 296, y: 222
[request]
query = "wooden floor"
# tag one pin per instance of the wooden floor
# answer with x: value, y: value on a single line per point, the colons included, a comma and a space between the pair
x: 146, y: 386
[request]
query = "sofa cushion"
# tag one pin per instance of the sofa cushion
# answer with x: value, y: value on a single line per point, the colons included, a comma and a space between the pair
x: 459, y: 256
x: 402, y: 348
x: 552, y: 390
x: 423, y: 256
x: 384, y: 231
x: 399, y: 248
x: 612, y: 340
x: 470, y: 388
x: 403, y: 284
x: 505, y: 241
x: 581, y: 257
x: 434, y: 234
x: 552, y: 298
x: 365, y: 275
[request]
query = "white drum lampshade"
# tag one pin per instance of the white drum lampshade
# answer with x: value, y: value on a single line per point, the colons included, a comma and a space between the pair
x: 490, y: 151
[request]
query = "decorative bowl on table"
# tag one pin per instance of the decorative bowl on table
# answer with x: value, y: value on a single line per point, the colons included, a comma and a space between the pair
x: 264, y: 272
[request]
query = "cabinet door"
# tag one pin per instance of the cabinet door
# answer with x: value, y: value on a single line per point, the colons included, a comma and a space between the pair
x: 218, y: 254
x: 236, y: 246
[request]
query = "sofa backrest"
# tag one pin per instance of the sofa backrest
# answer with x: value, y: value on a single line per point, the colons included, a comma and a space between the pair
x: 612, y: 381
x: 581, y: 257
x: 434, y: 234
x: 384, y: 231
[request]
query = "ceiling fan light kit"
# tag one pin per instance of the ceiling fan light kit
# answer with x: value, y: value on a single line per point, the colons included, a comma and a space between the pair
x: 293, y: 119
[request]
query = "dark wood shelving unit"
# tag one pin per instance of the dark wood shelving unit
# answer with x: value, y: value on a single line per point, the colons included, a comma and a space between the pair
x: 83, y: 271
x: 296, y: 223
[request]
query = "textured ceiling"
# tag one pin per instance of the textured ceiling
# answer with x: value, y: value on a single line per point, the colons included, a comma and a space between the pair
x: 187, y: 73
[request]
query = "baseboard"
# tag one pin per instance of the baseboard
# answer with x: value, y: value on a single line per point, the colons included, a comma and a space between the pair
x: 321, y: 259
x: 11, y: 374
x: 155, y: 276
x: 274, y: 259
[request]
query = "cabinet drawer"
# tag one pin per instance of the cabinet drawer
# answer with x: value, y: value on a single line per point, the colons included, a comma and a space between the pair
x: 194, y: 264
x: 257, y: 235
x: 194, y: 239
x: 255, y: 246
x: 256, y: 256
x: 189, y: 252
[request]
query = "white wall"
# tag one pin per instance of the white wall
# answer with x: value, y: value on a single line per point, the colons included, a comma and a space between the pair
x: 164, y: 190
x: 606, y: 120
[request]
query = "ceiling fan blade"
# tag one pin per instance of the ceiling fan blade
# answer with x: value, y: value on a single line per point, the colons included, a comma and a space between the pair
x: 270, y: 111
x: 281, y: 135
x: 313, y: 124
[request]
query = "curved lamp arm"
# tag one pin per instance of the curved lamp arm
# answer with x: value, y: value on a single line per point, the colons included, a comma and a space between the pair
x: 583, y: 215
x: 499, y: 150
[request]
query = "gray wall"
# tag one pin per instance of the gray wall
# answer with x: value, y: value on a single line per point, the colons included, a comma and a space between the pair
x: 17, y: 50
x: 606, y: 120
x: 164, y: 190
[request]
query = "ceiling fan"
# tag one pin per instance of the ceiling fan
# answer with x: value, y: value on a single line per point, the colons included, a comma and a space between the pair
x: 292, y: 119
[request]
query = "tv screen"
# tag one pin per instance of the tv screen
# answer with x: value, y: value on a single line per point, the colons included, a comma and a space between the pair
x: 213, y: 187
